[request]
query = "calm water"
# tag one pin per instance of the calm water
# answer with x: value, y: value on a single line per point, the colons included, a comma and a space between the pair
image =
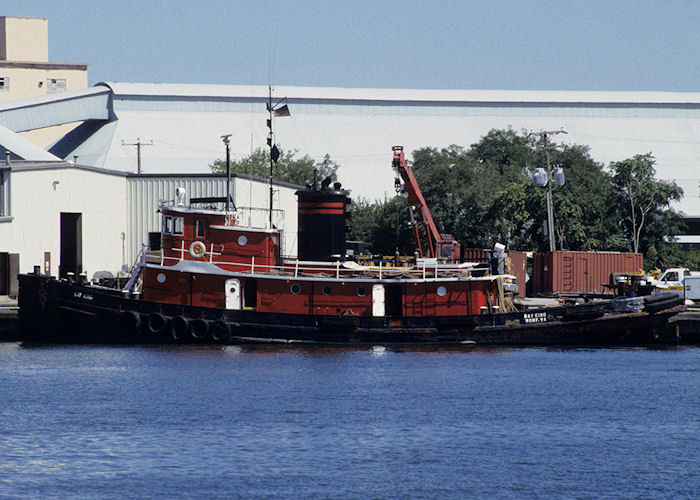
x: 114, y: 422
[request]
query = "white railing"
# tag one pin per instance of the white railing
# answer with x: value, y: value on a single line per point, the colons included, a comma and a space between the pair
x: 260, y: 217
x: 423, y: 272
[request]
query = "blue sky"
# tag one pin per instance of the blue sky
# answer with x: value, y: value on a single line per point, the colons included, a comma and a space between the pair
x: 509, y: 45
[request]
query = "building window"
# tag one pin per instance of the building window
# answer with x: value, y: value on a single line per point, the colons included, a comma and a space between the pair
x: 54, y: 85
x: 4, y: 83
x: 5, y: 212
x: 178, y: 225
x: 3, y: 196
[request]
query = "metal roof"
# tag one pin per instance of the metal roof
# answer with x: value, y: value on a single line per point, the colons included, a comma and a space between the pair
x: 9, y: 141
x: 55, y: 109
x: 358, y: 127
x: 56, y: 164
x: 396, y: 95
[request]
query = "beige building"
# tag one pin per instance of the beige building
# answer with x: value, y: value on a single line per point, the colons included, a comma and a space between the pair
x: 25, y: 70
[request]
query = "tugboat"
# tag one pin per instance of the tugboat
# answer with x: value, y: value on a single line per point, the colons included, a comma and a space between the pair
x: 218, y: 281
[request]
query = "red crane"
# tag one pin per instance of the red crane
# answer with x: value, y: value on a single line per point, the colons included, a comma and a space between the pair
x: 442, y: 246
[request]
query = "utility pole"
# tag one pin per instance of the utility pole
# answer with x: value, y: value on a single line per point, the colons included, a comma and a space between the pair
x: 138, y: 145
x: 550, y: 209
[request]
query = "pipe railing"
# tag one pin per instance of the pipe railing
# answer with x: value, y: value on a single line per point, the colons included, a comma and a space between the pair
x: 424, y: 272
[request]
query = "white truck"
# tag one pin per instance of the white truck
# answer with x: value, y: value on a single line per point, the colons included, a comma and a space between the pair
x: 681, y: 281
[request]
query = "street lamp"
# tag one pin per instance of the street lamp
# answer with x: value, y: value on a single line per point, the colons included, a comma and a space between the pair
x: 542, y: 178
x: 227, y: 141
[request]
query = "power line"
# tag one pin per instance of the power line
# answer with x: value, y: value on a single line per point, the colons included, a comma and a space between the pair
x: 138, y: 145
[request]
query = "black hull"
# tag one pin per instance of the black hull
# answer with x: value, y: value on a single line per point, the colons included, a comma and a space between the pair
x: 56, y: 311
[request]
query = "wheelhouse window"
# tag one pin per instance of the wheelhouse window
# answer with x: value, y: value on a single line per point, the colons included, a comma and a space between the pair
x: 4, y: 83
x: 201, y: 228
x: 167, y: 225
x: 178, y: 226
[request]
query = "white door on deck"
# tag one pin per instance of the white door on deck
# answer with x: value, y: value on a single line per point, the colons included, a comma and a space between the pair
x: 377, y: 300
x: 233, y: 294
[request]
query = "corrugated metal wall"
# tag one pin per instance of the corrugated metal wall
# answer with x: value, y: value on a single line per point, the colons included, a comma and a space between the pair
x: 145, y: 192
x: 579, y: 272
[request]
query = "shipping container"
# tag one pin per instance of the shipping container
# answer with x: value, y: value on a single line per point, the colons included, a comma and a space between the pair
x: 518, y: 268
x: 475, y: 255
x: 579, y: 272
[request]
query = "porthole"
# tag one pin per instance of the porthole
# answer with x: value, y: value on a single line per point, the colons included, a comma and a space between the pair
x: 326, y: 290
x: 161, y: 278
x: 441, y: 291
x: 295, y: 289
x: 361, y: 291
x: 242, y: 240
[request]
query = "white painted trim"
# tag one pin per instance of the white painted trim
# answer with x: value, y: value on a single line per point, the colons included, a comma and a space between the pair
x: 191, y: 266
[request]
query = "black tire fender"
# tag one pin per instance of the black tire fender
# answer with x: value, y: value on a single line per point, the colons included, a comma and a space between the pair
x: 179, y: 328
x: 157, y: 323
x: 199, y: 328
x: 130, y: 322
x: 220, y: 331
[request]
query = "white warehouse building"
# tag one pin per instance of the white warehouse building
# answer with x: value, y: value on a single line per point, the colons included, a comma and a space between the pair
x: 180, y: 126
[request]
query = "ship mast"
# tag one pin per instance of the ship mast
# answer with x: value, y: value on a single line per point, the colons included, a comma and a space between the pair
x: 278, y: 109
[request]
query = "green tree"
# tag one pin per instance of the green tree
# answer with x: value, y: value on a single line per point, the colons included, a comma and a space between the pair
x: 375, y: 223
x: 289, y: 168
x: 515, y: 217
x: 642, y: 197
x: 484, y: 194
x: 584, y: 217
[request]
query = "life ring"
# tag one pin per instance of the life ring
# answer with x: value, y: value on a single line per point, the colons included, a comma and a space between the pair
x: 197, y: 249
x: 179, y: 328
x: 199, y: 328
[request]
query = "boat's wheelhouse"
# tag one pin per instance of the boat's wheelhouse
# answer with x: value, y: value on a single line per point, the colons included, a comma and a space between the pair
x: 214, y: 237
